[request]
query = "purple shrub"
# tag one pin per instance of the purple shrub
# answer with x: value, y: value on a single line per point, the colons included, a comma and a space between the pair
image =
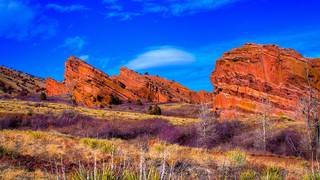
x: 66, y: 118
x: 288, y: 143
x: 227, y: 130
x: 133, y: 129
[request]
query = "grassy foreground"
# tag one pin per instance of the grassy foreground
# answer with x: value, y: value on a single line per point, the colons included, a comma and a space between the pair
x: 54, y: 155
x: 64, y: 151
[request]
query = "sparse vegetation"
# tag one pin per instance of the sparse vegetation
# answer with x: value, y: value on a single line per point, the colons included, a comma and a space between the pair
x: 104, y: 146
x: 154, y: 110
x: 139, y: 102
x: 35, y: 134
x: 237, y: 157
x: 170, y: 144
x: 248, y: 175
x: 272, y: 173
x: 22, y: 107
x: 43, y: 96
x: 115, y: 100
x: 125, y: 159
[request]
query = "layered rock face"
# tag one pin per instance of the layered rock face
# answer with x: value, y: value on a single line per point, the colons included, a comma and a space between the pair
x: 17, y: 83
x: 263, y: 78
x: 87, y: 85
x: 158, y: 89
x: 91, y: 87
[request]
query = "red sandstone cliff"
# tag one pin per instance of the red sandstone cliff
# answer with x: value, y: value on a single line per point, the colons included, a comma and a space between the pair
x: 91, y: 87
x: 55, y: 88
x: 87, y: 85
x: 257, y: 78
x: 158, y: 89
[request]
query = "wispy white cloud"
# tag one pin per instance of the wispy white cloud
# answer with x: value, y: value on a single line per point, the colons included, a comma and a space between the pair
x: 166, y: 7
x: 74, y: 43
x: 20, y: 20
x: 162, y: 56
x: 84, y: 57
x: 63, y: 9
x: 122, y: 15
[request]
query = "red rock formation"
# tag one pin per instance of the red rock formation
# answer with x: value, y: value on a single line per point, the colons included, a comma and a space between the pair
x: 258, y: 78
x: 91, y: 87
x: 157, y: 89
x: 55, y: 88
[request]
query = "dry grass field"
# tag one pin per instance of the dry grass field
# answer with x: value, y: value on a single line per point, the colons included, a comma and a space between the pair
x: 39, y: 141
x: 25, y: 107
x: 50, y: 149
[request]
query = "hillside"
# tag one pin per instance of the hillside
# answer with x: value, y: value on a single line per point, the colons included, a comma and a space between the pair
x: 17, y: 83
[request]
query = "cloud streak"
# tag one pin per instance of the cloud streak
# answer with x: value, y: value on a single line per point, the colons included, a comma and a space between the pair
x: 74, y: 43
x: 165, y: 8
x: 162, y: 56
x: 66, y: 9
x: 122, y: 15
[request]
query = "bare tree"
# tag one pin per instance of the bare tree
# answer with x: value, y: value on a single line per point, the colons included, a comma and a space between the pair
x: 265, y: 126
x: 71, y: 86
x: 310, y: 105
x: 206, y: 127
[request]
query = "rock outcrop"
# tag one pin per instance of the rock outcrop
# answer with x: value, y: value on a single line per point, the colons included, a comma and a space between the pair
x: 157, y: 89
x: 55, y: 88
x: 91, y: 87
x: 17, y: 83
x: 263, y: 78
x: 87, y: 85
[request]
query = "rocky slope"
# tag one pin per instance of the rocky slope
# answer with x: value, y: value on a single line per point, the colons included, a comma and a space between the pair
x: 263, y: 78
x: 17, y: 83
x: 158, y: 89
x: 91, y: 87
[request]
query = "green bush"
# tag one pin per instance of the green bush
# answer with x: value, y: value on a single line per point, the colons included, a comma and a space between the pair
x: 310, y: 176
x: 248, y: 175
x: 35, y: 134
x: 83, y: 173
x: 139, y: 102
x: 43, y: 96
x: 99, y: 144
x: 237, y: 157
x: 154, y: 110
x: 272, y: 173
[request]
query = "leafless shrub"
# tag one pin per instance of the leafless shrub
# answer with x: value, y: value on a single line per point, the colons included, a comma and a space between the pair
x: 286, y: 142
x: 207, y: 127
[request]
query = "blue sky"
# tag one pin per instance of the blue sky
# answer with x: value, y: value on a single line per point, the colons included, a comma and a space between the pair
x: 176, y: 39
